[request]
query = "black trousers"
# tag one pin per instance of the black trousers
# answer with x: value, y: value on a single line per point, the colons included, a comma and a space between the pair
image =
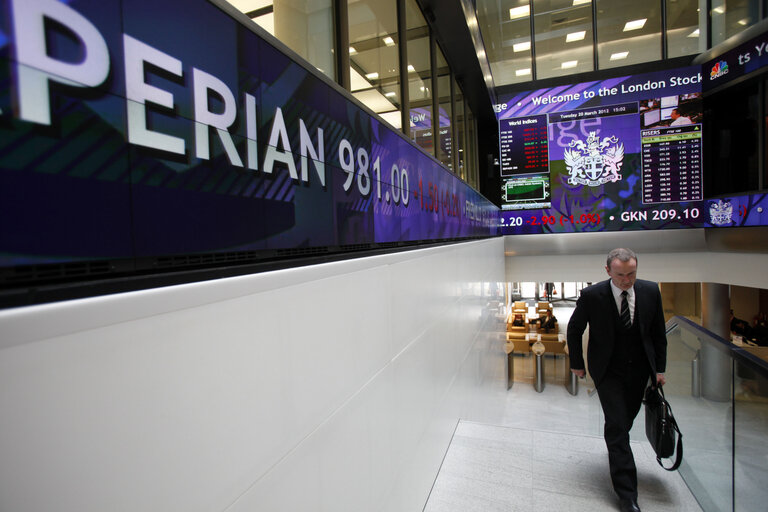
x: 621, y: 395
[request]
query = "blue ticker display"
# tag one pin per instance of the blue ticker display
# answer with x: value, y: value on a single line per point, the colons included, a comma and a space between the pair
x: 126, y: 137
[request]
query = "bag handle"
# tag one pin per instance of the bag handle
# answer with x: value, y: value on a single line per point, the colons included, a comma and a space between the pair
x: 673, y: 422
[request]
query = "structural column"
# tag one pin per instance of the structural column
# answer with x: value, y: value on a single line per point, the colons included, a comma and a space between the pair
x: 715, y: 362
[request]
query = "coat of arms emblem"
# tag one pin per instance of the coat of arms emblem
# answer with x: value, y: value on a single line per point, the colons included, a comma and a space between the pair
x: 720, y: 213
x: 595, y: 162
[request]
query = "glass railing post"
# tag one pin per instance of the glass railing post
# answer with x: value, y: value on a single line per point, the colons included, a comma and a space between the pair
x: 696, y: 376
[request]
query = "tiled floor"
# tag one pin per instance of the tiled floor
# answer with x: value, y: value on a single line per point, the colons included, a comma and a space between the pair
x: 546, y: 453
x: 502, y: 468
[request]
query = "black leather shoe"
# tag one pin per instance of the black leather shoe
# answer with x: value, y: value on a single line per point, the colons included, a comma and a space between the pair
x: 629, y: 506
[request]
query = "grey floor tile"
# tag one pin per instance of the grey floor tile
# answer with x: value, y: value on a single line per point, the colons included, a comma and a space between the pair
x: 561, y: 472
x: 544, y: 501
x: 547, y: 454
x: 509, y: 495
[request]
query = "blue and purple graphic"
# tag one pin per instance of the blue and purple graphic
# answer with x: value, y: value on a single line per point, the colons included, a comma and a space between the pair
x: 126, y: 138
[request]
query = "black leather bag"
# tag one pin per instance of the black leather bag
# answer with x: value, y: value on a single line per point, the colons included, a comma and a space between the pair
x: 661, y: 427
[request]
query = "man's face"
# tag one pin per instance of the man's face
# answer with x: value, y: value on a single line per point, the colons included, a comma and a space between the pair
x: 623, y: 273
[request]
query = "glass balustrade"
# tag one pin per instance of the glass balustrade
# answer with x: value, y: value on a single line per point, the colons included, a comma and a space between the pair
x: 719, y: 395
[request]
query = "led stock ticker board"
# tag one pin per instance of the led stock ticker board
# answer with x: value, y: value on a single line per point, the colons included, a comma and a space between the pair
x: 126, y: 137
x: 616, y: 154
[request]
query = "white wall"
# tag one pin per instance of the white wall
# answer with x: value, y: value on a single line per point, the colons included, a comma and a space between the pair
x: 326, y: 388
x: 672, y: 267
x: 675, y: 256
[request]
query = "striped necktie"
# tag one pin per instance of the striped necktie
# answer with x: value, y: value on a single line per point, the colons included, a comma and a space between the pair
x: 626, y: 318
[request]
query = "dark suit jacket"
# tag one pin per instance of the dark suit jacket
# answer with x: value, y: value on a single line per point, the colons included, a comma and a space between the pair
x: 597, y: 307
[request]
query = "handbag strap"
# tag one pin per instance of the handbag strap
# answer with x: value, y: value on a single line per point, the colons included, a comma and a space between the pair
x: 673, y: 422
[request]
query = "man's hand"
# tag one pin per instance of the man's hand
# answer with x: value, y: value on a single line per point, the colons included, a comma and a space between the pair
x: 660, y: 379
x: 579, y: 373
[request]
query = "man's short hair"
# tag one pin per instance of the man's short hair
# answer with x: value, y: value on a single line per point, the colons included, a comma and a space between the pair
x: 621, y: 254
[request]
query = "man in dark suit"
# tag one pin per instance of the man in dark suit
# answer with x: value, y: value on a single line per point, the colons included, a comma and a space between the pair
x: 548, y: 321
x: 627, y: 346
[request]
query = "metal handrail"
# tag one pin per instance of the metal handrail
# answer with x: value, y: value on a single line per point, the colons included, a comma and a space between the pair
x: 739, y: 353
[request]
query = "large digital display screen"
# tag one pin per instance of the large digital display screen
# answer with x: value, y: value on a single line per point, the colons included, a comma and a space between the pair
x: 148, y: 131
x: 736, y: 63
x: 615, y: 154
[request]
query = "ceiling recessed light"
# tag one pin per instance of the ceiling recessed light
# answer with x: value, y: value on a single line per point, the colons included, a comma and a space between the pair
x: 743, y: 22
x: 569, y: 64
x: 619, y: 55
x: 411, y: 69
x: 521, y: 47
x: 635, y: 25
x: 581, y: 2
x: 575, y: 36
x: 519, y: 12
x: 389, y: 41
x: 522, y: 72
x: 372, y: 76
x: 720, y: 9
x: 390, y: 94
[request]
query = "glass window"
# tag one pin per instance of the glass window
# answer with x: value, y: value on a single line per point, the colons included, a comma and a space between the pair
x: 419, y: 77
x: 444, y: 148
x: 471, y: 150
x: 373, y: 57
x: 683, y: 34
x: 564, y: 38
x: 506, y: 29
x: 729, y: 17
x: 684, y: 37
x: 459, y: 136
x: 304, y: 26
x: 628, y: 32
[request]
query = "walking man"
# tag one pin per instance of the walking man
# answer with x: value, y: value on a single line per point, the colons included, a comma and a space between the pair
x: 627, y: 346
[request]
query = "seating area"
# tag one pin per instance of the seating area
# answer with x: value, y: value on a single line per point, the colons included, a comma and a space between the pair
x: 538, y: 319
x: 534, y: 329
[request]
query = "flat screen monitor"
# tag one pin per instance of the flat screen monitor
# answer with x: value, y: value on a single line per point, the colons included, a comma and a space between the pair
x: 666, y: 113
x: 612, y: 160
x: 669, y: 101
x: 615, y: 162
x: 651, y: 117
